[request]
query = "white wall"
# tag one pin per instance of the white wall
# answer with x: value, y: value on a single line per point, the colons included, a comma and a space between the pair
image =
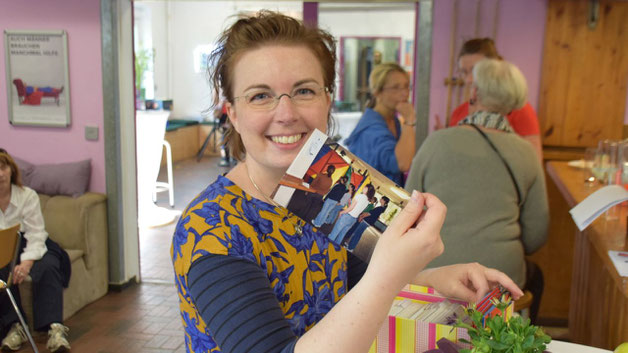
x: 178, y: 28
x: 368, y: 20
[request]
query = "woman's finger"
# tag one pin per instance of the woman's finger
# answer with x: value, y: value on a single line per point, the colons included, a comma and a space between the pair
x: 436, y: 210
x: 408, y: 216
x: 496, y: 276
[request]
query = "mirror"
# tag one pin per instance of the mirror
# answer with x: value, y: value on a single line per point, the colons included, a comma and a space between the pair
x: 358, y: 56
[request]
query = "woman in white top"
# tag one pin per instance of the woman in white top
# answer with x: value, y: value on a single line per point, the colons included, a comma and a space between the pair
x: 349, y: 215
x: 40, y: 258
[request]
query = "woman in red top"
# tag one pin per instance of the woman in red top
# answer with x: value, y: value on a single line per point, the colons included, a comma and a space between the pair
x: 524, y: 121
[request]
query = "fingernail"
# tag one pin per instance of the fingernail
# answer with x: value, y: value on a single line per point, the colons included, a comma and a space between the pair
x: 415, y: 196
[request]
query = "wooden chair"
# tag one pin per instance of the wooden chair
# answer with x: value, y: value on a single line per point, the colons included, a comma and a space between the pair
x: 522, y: 305
x: 10, y: 238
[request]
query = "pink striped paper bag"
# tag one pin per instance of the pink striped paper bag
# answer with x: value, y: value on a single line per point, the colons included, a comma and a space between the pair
x: 400, y: 335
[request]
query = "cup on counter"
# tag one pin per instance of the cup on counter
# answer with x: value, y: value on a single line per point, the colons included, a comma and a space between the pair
x: 600, y: 161
x: 589, y: 163
x: 623, y: 163
x: 612, y: 167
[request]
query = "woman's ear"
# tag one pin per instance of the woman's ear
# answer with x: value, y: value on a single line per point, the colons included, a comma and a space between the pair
x: 231, y: 113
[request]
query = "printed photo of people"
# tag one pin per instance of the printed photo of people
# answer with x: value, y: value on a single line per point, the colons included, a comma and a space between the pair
x: 345, y: 198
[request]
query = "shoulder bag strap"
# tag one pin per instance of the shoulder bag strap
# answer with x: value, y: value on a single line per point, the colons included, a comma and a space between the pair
x: 512, y: 176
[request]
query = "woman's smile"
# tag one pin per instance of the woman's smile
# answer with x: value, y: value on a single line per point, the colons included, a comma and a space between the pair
x: 287, y: 139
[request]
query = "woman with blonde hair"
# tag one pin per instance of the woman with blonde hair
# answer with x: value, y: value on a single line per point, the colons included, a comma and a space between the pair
x: 384, y: 136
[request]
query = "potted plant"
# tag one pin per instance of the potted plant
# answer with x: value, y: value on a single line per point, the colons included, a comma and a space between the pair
x: 516, y: 335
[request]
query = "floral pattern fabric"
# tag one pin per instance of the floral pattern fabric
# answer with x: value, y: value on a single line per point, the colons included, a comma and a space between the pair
x: 308, y: 274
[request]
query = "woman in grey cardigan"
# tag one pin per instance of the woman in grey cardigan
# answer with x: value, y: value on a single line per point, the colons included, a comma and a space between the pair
x: 489, y: 178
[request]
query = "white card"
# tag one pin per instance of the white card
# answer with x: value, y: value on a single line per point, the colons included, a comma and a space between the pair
x: 597, y: 203
x: 620, y: 260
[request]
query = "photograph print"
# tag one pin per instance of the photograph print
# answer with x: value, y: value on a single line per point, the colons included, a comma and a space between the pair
x: 336, y: 192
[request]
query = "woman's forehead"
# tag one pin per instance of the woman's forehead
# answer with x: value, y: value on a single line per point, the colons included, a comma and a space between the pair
x: 276, y: 65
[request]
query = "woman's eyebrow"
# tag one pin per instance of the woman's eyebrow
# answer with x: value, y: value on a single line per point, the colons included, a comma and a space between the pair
x: 307, y: 80
x: 265, y: 86
x: 257, y: 86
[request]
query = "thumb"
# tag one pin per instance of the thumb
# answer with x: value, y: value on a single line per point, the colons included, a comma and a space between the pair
x: 408, y: 216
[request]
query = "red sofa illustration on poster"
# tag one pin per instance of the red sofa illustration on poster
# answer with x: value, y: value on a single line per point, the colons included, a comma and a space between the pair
x: 32, y: 95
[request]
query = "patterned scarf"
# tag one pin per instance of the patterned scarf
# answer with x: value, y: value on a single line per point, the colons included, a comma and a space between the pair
x: 487, y: 120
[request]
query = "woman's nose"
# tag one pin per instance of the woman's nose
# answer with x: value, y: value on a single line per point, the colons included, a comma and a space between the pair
x: 285, y: 111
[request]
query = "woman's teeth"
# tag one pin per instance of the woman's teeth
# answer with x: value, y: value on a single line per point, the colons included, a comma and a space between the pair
x: 286, y: 139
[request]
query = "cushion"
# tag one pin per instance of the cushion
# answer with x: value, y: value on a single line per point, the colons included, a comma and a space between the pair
x: 71, y: 179
x: 26, y: 169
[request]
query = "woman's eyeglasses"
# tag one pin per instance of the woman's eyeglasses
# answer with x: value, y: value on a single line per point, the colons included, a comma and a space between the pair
x: 398, y: 88
x: 266, y: 100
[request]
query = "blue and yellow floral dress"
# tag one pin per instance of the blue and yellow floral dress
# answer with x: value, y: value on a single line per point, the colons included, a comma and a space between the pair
x: 308, y: 274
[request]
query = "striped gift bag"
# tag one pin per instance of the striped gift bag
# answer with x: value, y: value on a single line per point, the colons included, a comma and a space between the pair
x: 400, y: 335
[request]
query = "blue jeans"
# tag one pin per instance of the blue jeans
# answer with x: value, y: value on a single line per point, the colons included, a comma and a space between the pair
x: 341, y: 227
x: 357, y: 234
x: 333, y: 214
x: 321, y: 219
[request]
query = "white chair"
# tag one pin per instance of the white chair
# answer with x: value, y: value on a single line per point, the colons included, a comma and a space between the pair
x: 161, y: 186
x: 151, y: 129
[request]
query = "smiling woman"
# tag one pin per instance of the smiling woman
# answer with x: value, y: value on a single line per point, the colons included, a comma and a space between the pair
x: 251, y: 276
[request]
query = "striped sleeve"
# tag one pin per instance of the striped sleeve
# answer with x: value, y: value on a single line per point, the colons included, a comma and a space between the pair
x: 235, y: 299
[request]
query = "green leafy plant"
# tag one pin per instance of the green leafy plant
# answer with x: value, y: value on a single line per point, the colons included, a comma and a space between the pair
x: 143, y: 60
x: 498, y: 336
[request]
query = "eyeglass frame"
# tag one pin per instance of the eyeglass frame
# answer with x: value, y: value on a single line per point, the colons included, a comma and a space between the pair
x: 277, y: 98
x: 397, y: 89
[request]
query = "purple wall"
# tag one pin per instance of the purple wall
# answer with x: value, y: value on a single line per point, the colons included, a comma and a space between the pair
x: 81, y: 20
x: 520, y: 36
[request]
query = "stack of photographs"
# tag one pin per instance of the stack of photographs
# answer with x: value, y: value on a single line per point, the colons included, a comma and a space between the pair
x: 345, y: 198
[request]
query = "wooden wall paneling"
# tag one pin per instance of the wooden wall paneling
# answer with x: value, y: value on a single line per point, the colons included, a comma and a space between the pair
x: 605, y: 96
x: 579, y: 103
x: 583, y: 89
x: 555, y: 78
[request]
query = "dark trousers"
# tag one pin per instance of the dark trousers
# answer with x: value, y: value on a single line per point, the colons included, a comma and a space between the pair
x: 47, y: 295
x: 535, y: 283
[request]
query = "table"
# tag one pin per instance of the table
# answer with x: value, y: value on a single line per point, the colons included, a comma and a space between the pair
x: 598, y: 309
x: 295, y: 183
x: 566, y: 347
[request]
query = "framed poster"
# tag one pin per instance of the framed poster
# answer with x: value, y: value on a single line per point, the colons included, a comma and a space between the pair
x: 38, y: 85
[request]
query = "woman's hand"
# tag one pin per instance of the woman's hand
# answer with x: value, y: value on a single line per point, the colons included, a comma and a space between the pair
x: 468, y: 282
x: 406, y: 112
x: 437, y: 123
x: 409, y: 243
x: 22, y: 270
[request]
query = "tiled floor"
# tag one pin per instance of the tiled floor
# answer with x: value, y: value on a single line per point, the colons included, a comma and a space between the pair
x: 143, y: 318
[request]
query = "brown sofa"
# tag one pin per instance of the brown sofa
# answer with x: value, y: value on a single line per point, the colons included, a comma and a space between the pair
x: 79, y: 225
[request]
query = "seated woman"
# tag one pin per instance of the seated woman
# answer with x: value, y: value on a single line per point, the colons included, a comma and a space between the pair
x: 252, y: 276
x: 43, y: 260
x: 384, y: 136
x: 523, y: 120
x: 489, y: 178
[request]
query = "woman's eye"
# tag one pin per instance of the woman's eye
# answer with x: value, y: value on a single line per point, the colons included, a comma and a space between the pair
x: 259, y: 97
x: 303, y: 92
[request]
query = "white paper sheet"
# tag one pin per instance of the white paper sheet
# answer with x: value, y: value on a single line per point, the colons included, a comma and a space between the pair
x: 597, y: 203
x: 620, y: 260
